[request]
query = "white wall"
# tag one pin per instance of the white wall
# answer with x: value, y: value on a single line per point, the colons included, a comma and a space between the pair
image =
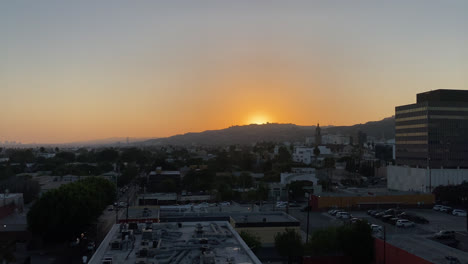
x: 417, y: 179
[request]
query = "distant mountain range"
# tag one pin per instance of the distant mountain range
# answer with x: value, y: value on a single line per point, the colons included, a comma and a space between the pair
x: 249, y: 134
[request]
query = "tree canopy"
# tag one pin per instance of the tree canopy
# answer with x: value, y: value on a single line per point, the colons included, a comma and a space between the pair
x: 289, y: 244
x: 63, y: 213
x: 354, y: 240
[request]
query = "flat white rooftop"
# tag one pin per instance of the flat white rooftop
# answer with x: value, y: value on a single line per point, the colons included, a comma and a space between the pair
x: 183, y: 243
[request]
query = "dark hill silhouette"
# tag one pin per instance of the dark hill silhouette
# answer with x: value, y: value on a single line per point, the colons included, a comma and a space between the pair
x: 249, y: 134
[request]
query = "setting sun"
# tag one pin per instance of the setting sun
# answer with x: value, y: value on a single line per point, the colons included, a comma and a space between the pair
x: 258, y: 119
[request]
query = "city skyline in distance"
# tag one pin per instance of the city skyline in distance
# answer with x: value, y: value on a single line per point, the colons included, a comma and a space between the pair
x: 275, y: 132
x: 86, y: 70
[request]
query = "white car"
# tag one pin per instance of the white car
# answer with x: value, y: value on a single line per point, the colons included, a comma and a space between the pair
x: 445, y: 209
x: 458, y: 212
x: 343, y: 215
x: 437, y: 207
x: 225, y: 203
x: 204, y: 204
x: 376, y: 228
x: 404, y: 223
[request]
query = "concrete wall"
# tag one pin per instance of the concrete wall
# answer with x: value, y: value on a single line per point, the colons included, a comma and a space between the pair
x: 418, y: 179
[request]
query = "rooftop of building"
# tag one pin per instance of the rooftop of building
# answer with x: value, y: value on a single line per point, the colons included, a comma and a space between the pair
x: 443, y: 95
x: 10, y: 195
x: 270, y: 217
x: 183, y: 243
x: 366, y: 192
x: 421, y: 245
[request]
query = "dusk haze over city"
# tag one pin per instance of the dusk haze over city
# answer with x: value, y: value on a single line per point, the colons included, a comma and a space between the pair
x: 82, y: 70
x: 234, y: 132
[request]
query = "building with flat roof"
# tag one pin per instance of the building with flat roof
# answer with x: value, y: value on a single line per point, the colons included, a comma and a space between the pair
x: 433, y: 132
x: 431, y: 142
x: 167, y: 243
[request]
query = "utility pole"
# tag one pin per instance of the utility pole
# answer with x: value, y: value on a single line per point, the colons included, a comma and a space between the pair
x: 384, y: 244
x: 308, y: 215
x: 117, y: 214
x: 128, y: 200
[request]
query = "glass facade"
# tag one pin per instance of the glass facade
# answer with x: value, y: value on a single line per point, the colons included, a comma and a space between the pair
x: 434, y: 131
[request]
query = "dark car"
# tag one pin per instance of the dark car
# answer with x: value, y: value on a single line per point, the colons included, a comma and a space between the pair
x: 305, y: 208
x: 444, y: 234
x: 393, y: 220
x: 393, y: 211
x: 371, y: 212
x: 386, y: 218
x: 379, y: 215
x: 374, y: 212
x: 415, y: 218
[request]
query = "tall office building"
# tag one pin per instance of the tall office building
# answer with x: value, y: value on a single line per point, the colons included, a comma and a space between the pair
x: 434, y: 131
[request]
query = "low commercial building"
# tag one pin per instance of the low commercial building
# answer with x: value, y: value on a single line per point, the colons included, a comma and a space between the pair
x: 404, y: 178
x: 266, y: 226
x: 181, y: 242
x: 306, y: 154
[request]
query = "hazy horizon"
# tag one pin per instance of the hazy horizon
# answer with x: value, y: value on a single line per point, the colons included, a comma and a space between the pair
x: 85, y: 70
x: 123, y: 138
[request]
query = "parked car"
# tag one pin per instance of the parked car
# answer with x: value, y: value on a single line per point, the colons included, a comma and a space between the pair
x: 355, y: 219
x: 335, y: 212
x: 393, y: 220
x: 404, y: 223
x: 111, y: 208
x: 379, y: 215
x: 343, y: 215
x: 415, y: 218
x: 374, y: 212
x: 442, y: 234
x: 225, y: 203
x: 459, y: 212
x: 376, y: 228
x: 305, y: 208
x: 393, y: 211
x: 386, y: 218
x: 437, y: 207
x: 331, y: 211
x: 371, y: 212
x: 446, y: 209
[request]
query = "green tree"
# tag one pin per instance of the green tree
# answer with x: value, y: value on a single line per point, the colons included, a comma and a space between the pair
x: 341, y: 240
x: 107, y: 155
x: 283, y: 155
x: 168, y: 185
x: 61, y: 214
x: 65, y: 155
x: 129, y: 173
x: 245, y: 180
x: 251, y: 240
x: 289, y: 244
x: 316, y: 154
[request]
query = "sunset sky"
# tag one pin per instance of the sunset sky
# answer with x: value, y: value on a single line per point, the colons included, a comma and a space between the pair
x: 79, y: 70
